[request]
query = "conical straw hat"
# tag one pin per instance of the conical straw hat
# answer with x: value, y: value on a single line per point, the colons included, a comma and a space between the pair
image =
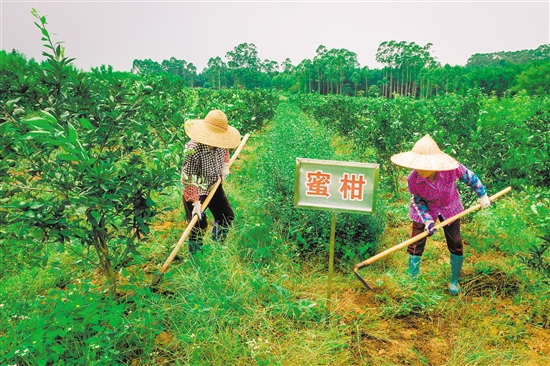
x: 425, y: 155
x: 213, y: 130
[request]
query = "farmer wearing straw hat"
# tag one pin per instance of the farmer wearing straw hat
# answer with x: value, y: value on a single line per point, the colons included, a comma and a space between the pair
x: 206, y: 160
x: 432, y: 184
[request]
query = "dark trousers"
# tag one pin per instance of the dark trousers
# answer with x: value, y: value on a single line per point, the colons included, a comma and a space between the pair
x: 219, y: 207
x: 452, y: 235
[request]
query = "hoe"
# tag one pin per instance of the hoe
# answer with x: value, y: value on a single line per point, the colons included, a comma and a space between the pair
x: 414, y: 239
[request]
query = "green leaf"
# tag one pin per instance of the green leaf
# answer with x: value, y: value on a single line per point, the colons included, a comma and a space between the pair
x: 44, y: 261
x: 68, y: 157
x: 78, y: 232
x: 72, y: 133
x: 39, y: 122
x: 36, y: 205
x: 32, y: 134
x: 36, y: 233
x: 86, y: 124
x: 82, y: 151
x: 96, y: 215
x: 66, y: 60
x: 49, y: 117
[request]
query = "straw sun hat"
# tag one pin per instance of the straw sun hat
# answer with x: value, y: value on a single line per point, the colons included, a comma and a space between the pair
x: 425, y: 155
x: 213, y: 130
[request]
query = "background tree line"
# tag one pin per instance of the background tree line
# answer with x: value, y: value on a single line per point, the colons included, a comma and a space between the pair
x: 409, y: 69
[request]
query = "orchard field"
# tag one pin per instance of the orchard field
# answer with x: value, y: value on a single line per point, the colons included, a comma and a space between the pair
x: 90, y: 208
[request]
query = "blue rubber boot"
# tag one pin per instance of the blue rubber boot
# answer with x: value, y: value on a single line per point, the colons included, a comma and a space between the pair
x: 414, y: 266
x: 456, y: 267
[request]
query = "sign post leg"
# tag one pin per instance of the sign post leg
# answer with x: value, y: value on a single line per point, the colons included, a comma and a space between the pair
x: 331, y: 259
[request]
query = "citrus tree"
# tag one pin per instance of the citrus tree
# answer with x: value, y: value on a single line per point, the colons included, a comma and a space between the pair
x: 81, y: 172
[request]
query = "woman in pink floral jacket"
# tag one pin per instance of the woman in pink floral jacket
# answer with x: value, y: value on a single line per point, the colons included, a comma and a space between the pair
x: 432, y: 184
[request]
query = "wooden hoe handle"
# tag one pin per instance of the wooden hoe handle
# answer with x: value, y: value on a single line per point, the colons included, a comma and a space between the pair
x: 414, y: 239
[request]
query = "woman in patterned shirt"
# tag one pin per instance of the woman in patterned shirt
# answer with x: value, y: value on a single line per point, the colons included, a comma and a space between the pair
x: 432, y: 184
x: 206, y: 159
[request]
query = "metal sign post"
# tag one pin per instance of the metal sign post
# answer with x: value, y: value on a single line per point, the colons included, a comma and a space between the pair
x: 331, y: 256
x: 335, y: 186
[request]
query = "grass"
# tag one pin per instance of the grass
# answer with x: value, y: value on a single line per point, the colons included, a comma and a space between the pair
x: 260, y: 300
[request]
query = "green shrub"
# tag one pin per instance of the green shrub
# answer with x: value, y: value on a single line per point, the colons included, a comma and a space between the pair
x: 293, y: 136
x: 77, y: 325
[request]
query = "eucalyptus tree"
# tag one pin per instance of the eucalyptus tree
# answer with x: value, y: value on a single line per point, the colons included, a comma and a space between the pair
x: 428, y: 78
x: 402, y: 57
x: 413, y: 59
x: 364, y: 74
x: 215, y: 69
x: 148, y: 66
x: 427, y: 61
x: 385, y: 54
x: 244, y: 64
x: 303, y: 74
x: 332, y: 72
x: 334, y: 67
x: 270, y: 68
x: 346, y: 64
x: 190, y: 74
x: 355, y: 78
x: 284, y: 79
x: 403, y: 62
x: 287, y: 66
x: 175, y: 66
x: 416, y: 61
x: 338, y: 62
x: 137, y: 67
x: 319, y: 63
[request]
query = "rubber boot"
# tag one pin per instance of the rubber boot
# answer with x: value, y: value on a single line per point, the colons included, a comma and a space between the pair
x: 456, y: 267
x: 214, y: 230
x: 194, y: 246
x: 219, y: 232
x: 414, y: 266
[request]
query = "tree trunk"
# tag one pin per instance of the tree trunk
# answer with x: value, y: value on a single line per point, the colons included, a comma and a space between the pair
x: 111, y: 275
x: 100, y: 244
x: 402, y: 82
x: 391, y: 84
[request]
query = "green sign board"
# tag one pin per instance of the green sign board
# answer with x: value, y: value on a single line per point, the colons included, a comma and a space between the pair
x: 336, y: 185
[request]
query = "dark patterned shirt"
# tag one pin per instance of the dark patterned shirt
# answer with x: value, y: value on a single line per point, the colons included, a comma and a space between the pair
x: 440, y: 197
x: 204, y: 165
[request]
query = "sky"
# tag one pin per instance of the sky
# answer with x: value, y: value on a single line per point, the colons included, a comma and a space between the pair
x: 115, y: 33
